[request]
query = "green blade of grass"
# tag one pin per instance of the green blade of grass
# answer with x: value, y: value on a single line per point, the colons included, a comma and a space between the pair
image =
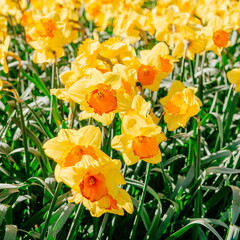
x: 11, y: 232
x: 181, y: 231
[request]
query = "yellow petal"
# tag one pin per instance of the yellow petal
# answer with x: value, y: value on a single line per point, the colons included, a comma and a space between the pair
x: 68, y: 78
x: 140, y: 105
x: 105, y: 119
x: 68, y: 135
x: 156, y: 159
x: 124, y: 201
x: 234, y: 76
x: 129, y: 157
x: 178, y: 50
x: 79, y: 90
x: 113, y: 79
x: 176, y: 86
x: 54, y: 149
x: 70, y: 177
x: 121, y: 142
x: 5, y: 65
x: 57, y: 173
x: 131, y: 124
x: 161, y: 48
x: 61, y: 94
x: 90, y: 135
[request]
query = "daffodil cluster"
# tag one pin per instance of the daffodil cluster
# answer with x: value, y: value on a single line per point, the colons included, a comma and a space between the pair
x: 49, y: 25
x: 199, y: 25
x: 92, y: 175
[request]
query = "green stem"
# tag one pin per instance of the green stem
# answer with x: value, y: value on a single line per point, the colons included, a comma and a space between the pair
x: 136, y: 220
x: 230, y: 115
x: 104, y: 222
x: 197, y: 169
x: 192, y: 71
x: 186, y: 43
x: 165, y: 179
x: 76, y: 221
x: 52, y: 96
x: 198, y: 157
x: 114, y: 219
x: 50, y: 211
x: 201, y: 79
x: 25, y: 144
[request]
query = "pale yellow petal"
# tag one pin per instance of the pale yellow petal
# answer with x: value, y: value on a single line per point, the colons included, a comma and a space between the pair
x: 70, y: 177
x: 124, y: 201
x: 176, y: 86
x: 79, y: 90
x: 140, y: 105
x: 90, y: 135
x: 234, y: 76
x: 54, y: 149
x: 105, y: 119
x: 121, y: 142
x: 113, y: 79
x: 68, y: 135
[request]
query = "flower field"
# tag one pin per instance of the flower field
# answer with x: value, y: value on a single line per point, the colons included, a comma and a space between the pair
x: 120, y: 119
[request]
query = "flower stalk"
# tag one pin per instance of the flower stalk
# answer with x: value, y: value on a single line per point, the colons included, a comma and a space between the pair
x: 139, y: 209
x: 50, y: 211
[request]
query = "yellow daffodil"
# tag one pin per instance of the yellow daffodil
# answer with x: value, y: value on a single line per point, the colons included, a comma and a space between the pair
x: 235, y: 15
x: 3, y: 53
x: 234, y: 77
x: 217, y: 35
x: 179, y: 105
x: 139, y: 140
x: 13, y: 8
x: 99, y: 96
x: 48, y: 35
x: 159, y: 56
x: 154, y: 65
x: 3, y: 28
x: 193, y: 41
x: 139, y: 107
x: 117, y: 50
x: 68, y: 148
x: 169, y: 23
x: 129, y: 79
x: 128, y: 25
x: 103, y: 57
x: 96, y: 185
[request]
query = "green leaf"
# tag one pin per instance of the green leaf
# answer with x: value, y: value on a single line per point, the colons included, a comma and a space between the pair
x: 38, y: 143
x: 220, y: 126
x: 235, y: 205
x: 211, y: 221
x: 38, y: 83
x: 233, y: 233
x: 166, y: 221
x: 144, y: 215
x: 210, y: 158
x: 227, y: 128
x: 190, y: 225
x: 3, y: 211
x: 222, y: 170
x: 11, y: 232
x: 140, y: 185
x: 65, y: 213
x: 39, y: 121
x: 155, y: 222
